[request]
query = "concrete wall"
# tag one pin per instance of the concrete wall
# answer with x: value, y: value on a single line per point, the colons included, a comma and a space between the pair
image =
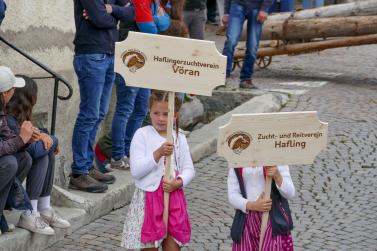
x: 45, y: 29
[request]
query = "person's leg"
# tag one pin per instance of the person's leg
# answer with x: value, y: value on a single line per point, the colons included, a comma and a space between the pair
x: 188, y: 17
x: 126, y: 97
x: 319, y: 3
x: 286, y: 5
x: 254, y: 30
x: 137, y: 117
x: 198, y: 25
x: 170, y: 245
x: 274, y: 7
x: 8, y: 170
x: 236, y: 20
x: 212, y: 11
x: 91, y: 71
x: 220, y: 7
x: 36, y: 179
x: 104, y: 104
x: 24, y: 162
x: 307, y: 4
x: 44, y: 201
x: 48, y: 183
x: 31, y: 220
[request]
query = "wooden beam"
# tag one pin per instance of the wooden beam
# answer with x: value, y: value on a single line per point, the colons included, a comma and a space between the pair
x: 312, y: 46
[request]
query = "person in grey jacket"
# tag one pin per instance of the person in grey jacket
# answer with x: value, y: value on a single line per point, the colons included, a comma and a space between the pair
x: 235, y: 14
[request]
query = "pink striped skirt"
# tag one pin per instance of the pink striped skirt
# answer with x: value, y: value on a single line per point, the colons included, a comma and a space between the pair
x: 250, y: 237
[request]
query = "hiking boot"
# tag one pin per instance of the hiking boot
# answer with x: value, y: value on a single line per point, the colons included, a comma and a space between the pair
x: 101, y: 177
x: 34, y: 223
x: 87, y: 184
x: 247, y: 84
x: 53, y: 219
x: 122, y: 164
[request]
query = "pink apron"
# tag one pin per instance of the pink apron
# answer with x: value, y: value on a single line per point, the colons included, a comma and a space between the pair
x: 153, y: 228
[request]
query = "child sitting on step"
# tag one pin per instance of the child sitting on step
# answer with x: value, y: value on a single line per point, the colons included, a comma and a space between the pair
x: 40, y: 178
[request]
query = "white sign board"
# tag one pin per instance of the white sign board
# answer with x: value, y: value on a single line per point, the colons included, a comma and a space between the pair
x: 272, y: 139
x: 170, y: 63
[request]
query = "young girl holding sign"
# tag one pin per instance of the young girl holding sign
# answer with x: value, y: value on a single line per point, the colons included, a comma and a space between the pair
x: 245, y: 193
x: 144, y: 227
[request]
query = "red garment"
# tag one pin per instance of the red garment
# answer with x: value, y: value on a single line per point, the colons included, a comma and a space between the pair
x: 153, y: 228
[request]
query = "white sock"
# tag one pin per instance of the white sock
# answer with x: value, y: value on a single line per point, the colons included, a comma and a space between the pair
x: 34, y: 204
x: 44, y: 203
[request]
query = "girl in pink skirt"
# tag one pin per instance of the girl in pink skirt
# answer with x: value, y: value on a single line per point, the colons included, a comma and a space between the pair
x: 256, y: 203
x: 144, y: 227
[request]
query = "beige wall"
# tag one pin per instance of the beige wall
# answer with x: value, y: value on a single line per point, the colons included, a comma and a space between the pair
x: 45, y: 30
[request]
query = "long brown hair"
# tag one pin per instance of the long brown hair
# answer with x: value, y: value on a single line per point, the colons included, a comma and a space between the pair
x: 163, y: 96
x: 22, y: 103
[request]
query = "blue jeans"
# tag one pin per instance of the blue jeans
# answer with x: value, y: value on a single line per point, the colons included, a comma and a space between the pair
x: 237, y: 16
x: 130, y: 112
x: 95, y: 74
x: 308, y: 4
x: 283, y: 6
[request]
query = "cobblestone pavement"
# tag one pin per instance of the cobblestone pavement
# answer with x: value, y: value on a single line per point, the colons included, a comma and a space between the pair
x: 336, y: 203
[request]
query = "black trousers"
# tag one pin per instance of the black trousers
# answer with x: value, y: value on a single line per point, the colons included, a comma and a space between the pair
x: 11, y: 166
x: 41, y: 177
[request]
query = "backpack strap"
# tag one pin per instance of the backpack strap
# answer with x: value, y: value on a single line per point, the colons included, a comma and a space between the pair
x: 238, y: 172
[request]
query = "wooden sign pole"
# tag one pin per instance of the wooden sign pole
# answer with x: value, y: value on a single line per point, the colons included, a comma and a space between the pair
x: 169, y: 137
x: 263, y: 228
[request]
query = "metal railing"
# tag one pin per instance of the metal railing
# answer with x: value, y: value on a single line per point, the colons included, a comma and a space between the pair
x: 57, y: 79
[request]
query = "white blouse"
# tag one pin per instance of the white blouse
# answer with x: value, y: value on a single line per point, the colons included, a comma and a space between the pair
x: 254, y: 185
x: 146, y: 172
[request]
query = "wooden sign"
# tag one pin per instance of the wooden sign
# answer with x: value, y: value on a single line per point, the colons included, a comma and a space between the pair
x: 272, y: 139
x: 170, y: 63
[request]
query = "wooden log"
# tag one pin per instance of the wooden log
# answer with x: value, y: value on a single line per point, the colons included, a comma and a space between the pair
x: 363, y: 8
x: 311, y: 47
x: 320, y: 28
x: 318, y: 46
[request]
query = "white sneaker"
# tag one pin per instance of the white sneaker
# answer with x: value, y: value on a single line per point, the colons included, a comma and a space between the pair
x: 53, y: 219
x: 34, y: 223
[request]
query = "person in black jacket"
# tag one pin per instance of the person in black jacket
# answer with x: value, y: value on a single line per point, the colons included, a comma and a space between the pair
x: 14, y: 162
x: 96, y: 33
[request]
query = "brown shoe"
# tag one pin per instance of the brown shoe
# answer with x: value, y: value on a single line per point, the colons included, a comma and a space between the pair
x: 87, y: 184
x: 101, y: 177
x: 247, y: 84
